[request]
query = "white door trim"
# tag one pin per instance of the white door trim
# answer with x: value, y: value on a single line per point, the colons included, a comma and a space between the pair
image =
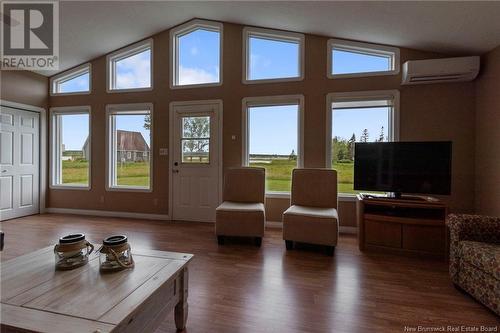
x: 42, y: 149
x: 173, y: 105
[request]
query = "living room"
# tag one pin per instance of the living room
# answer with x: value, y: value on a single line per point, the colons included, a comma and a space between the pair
x: 160, y: 113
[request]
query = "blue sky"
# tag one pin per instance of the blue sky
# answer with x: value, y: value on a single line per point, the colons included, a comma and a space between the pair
x: 199, y: 57
x: 349, y: 62
x: 345, y: 122
x: 273, y: 130
x: 75, y: 129
x: 273, y: 59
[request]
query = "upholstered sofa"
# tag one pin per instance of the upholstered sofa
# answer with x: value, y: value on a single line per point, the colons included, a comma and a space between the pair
x: 475, y: 257
x: 242, y: 212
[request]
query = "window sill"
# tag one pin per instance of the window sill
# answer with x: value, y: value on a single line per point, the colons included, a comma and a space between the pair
x: 195, y: 85
x: 71, y: 93
x: 277, y: 80
x: 362, y: 74
x: 343, y: 197
x: 69, y: 187
x: 278, y: 195
x: 128, y: 90
x: 129, y: 189
x: 286, y: 195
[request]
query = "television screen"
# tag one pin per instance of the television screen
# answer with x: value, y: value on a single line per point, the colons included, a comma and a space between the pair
x: 403, y: 167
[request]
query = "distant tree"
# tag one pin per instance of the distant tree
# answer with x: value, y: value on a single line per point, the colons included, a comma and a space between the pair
x: 196, y: 127
x: 381, y: 137
x: 340, y: 149
x: 292, y: 156
x: 334, y: 150
x: 147, y: 122
x: 350, y: 147
x: 364, y: 136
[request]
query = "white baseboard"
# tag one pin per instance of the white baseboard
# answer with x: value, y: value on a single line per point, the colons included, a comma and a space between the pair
x: 164, y: 217
x: 107, y: 213
x: 342, y: 229
x: 274, y: 224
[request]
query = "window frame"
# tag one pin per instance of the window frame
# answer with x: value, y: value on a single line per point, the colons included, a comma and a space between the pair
x: 361, y: 96
x: 126, y: 109
x: 67, y: 75
x: 55, y: 164
x: 185, y: 29
x: 249, y: 102
x: 363, y: 48
x: 277, y: 35
x: 124, y: 53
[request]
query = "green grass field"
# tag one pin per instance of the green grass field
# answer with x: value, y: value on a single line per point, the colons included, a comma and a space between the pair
x: 278, y: 174
x: 75, y: 172
x: 131, y: 174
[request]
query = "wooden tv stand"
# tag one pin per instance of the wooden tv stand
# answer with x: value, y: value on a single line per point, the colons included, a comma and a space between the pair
x: 409, y: 225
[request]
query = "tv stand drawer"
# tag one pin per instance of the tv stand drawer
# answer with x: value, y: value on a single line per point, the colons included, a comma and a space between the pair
x: 424, y: 238
x: 383, y: 233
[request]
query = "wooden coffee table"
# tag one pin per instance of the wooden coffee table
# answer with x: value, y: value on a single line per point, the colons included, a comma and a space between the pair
x: 36, y: 298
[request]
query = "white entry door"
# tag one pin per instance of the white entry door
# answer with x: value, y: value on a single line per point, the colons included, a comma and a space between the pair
x: 195, y: 164
x: 19, y: 163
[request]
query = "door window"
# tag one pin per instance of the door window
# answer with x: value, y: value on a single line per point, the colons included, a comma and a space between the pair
x: 195, y: 140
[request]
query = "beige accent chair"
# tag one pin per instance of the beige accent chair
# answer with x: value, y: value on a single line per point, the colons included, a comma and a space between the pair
x: 312, y: 217
x: 242, y: 211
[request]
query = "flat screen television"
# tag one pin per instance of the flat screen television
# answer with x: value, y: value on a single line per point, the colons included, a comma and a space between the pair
x: 403, y: 167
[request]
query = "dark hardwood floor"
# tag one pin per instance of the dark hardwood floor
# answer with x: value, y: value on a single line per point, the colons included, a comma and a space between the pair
x: 241, y: 288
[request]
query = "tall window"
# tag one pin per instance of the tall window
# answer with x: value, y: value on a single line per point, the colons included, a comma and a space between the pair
x: 272, y: 55
x: 358, y: 117
x: 131, y: 68
x: 350, y: 59
x: 273, y: 138
x: 129, y: 146
x: 70, y: 147
x: 74, y: 81
x: 196, y: 54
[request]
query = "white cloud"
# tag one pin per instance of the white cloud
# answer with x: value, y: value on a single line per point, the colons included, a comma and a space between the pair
x: 188, y: 75
x: 134, y: 72
x: 194, y: 50
x: 82, y: 82
x: 257, y: 60
x: 79, y: 83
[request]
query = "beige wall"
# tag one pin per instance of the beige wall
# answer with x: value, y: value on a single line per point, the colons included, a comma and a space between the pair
x: 487, y: 200
x: 434, y: 112
x: 24, y: 87
x: 445, y: 112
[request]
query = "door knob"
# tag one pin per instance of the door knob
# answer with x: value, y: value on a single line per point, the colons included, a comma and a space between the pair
x: 175, y: 171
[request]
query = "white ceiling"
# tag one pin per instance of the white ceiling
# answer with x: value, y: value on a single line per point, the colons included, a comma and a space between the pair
x: 89, y: 29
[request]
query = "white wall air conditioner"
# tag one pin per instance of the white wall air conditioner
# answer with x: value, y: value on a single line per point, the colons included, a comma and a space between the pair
x: 440, y: 70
